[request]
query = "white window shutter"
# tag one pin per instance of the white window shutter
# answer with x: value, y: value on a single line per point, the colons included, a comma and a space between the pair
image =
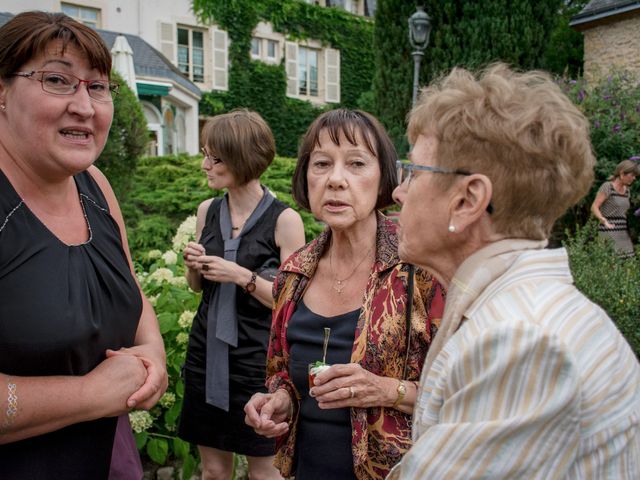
x: 332, y: 75
x: 220, y: 47
x: 168, y: 40
x: 291, y: 59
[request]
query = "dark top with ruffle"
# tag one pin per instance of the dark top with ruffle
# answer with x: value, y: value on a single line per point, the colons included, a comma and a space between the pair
x: 61, y: 307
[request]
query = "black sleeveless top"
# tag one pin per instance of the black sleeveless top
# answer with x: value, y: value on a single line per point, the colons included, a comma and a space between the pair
x: 258, y: 250
x: 323, y: 441
x: 61, y: 307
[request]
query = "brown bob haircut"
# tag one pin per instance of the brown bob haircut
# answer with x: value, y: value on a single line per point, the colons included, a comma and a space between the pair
x: 243, y: 141
x: 28, y: 35
x: 350, y: 123
x: 519, y: 130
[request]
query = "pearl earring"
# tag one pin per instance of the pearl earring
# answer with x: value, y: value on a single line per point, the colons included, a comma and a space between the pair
x: 452, y: 228
x: 3, y: 107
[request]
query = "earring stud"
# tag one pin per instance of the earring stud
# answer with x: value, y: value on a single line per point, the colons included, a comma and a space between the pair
x: 3, y: 107
x: 452, y: 228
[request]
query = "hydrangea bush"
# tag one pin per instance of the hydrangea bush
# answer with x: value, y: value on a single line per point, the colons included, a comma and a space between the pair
x: 161, y: 275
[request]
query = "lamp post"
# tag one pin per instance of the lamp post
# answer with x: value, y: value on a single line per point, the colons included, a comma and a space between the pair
x: 419, y: 30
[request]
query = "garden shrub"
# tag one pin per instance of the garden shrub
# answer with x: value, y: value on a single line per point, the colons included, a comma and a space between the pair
x: 163, y: 282
x: 607, y: 280
x: 613, y: 109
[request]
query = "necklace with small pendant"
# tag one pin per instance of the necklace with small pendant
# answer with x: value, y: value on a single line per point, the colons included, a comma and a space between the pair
x: 339, y: 285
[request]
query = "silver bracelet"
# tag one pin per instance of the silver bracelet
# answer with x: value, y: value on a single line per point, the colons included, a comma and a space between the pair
x: 12, y: 405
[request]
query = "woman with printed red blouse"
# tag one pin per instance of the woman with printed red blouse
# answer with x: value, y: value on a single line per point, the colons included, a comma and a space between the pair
x: 356, y: 420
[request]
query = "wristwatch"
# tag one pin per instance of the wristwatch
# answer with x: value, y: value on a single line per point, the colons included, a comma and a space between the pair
x: 402, y: 391
x: 251, y: 286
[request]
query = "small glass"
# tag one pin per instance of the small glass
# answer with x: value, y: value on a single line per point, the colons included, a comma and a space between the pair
x: 314, y: 369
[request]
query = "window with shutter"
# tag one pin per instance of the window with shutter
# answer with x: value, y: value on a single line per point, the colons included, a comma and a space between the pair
x: 291, y: 65
x: 167, y: 41
x: 332, y: 75
x: 220, y: 59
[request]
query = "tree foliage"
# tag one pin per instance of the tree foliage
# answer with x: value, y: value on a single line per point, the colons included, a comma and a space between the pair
x: 564, y: 54
x: 465, y: 33
x: 127, y: 140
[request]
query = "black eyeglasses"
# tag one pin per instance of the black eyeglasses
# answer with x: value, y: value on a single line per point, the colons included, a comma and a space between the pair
x: 405, y: 173
x: 210, y: 158
x: 59, y: 83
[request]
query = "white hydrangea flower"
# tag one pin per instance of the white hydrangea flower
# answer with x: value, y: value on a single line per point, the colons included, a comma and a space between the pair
x: 186, y: 319
x: 153, y: 299
x: 182, y: 338
x: 178, y: 281
x: 167, y: 400
x: 161, y: 275
x: 154, y: 254
x: 141, y: 420
x: 186, y: 232
x: 170, y: 257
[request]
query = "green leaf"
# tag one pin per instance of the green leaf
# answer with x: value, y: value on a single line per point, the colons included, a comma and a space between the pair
x: 157, y: 449
x: 141, y: 439
x: 172, y: 414
x: 188, y: 466
x: 167, y: 321
x: 180, y: 448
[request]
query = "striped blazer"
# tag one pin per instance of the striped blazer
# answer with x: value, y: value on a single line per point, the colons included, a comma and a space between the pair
x: 537, y: 383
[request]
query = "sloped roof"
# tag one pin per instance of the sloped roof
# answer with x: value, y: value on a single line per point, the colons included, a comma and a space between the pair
x: 147, y: 61
x: 597, y: 10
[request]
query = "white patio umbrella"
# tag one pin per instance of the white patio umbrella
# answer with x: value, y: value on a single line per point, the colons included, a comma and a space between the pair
x: 123, y: 61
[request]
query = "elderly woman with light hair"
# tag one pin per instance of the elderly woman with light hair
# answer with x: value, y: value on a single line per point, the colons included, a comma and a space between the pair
x: 526, y: 377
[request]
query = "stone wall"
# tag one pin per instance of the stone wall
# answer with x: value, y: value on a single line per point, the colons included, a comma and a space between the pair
x: 610, y: 46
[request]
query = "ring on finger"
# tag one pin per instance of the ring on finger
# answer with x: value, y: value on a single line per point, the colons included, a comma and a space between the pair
x: 352, y: 392
x: 205, y: 267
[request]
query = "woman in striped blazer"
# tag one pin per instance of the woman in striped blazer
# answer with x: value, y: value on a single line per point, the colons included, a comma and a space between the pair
x: 526, y: 377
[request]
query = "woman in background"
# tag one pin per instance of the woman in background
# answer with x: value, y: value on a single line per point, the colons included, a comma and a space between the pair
x: 356, y: 421
x: 79, y: 342
x: 611, y: 205
x: 241, y: 237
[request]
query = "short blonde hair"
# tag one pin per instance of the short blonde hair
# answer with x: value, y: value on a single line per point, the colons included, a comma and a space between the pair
x: 243, y: 141
x: 519, y: 130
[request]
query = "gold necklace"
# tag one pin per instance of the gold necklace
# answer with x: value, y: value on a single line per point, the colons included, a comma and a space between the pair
x: 339, y: 285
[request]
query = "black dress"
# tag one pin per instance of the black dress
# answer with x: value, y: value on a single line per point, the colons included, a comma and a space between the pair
x: 323, y: 441
x: 61, y: 307
x: 204, y: 424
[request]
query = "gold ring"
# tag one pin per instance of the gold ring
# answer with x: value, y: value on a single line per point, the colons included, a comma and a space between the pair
x: 352, y: 392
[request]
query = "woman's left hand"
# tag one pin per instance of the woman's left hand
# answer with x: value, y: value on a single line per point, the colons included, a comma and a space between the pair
x: 157, y: 380
x: 217, y: 269
x: 350, y: 385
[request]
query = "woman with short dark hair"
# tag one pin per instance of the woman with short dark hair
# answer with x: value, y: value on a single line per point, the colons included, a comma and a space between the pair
x: 79, y: 342
x: 355, y: 421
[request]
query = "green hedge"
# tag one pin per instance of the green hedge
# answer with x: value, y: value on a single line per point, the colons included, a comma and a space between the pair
x: 166, y: 190
x: 607, y: 280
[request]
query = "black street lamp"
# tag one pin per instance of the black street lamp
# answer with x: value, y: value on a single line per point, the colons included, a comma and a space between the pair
x: 419, y: 30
